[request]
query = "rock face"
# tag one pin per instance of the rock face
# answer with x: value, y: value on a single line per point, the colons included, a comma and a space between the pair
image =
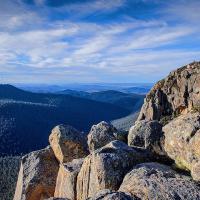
x: 100, y: 135
x: 195, y: 171
x: 66, y: 180
x: 176, y: 94
x: 110, y: 195
x: 37, y: 176
x: 105, y: 168
x: 67, y: 143
x: 155, y: 181
x: 147, y: 135
x: 182, y: 140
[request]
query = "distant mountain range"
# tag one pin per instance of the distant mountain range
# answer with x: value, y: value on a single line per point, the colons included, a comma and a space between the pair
x: 139, y: 88
x: 27, y: 118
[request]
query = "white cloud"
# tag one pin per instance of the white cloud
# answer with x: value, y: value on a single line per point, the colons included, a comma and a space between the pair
x: 93, y: 45
x: 31, y: 44
x: 90, y: 7
x: 184, y: 10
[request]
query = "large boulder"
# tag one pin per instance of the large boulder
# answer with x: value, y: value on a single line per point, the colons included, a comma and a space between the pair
x: 68, y: 143
x: 105, y: 168
x: 147, y: 135
x: 111, y: 195
x: 100, y: 135
x: 66, y: 180
x: 182, y: 140
x: 155, y: 181
x: 177, y: 93
x: 37, y: 176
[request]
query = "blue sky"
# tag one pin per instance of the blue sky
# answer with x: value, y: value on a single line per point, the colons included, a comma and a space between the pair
x: 68, y: 41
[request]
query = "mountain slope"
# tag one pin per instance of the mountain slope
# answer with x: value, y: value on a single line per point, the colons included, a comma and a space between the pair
x: 132, y: 102
x: 125, y: 123
x: 26, y: 118
x: 8, y: 176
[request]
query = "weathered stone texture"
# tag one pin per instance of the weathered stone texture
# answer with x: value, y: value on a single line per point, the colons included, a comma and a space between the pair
x: 147, y: 135
x: 100, y: 135
x: 105, y: 168
x: 111, y: 195
x: 150, y: 181
x: 176, y: 94
x: 37, y: 176
x: 68, y: 143
x: 66, y: 180
x: 182, y: 140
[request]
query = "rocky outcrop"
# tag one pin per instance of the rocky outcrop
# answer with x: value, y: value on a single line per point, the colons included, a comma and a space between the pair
x: 37, y: 176
x: 168, y: 126
x: 101, y: 134
x: 66, y: 180
x: 67, y: 143
x: 176, y: 94
x: 182, y: 140
x: 111, y: 195
x: 175, y: 102
x: 147, y: 135
x: 105, y: 168
x: 150, y: 181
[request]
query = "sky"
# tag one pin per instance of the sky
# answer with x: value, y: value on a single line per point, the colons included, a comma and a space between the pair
x: 94, y: 41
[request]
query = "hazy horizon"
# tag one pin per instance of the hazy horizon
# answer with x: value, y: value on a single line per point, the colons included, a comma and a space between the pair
x: 86, y: 83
